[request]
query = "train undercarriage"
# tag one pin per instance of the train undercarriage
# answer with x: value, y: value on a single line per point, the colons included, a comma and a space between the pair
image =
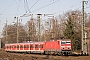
x: 59, y: 53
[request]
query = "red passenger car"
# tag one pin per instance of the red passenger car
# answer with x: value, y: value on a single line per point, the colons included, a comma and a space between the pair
x: 31, y: 47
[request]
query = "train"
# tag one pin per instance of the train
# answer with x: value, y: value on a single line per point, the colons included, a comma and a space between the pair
x: 56, y: 47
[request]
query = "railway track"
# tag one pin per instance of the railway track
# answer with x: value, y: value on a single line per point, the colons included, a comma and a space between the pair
x: 23, y: 56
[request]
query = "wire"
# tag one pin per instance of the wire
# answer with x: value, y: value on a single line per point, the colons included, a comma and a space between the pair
x: 87, y: 3
x: 45, y: 6
x: 18, y: 6
x: 26, y: 6
x: 70, y: 8
x: 35, y: 4
x: 76, y: 8
x: 7, y: 8
x: 87, y: 7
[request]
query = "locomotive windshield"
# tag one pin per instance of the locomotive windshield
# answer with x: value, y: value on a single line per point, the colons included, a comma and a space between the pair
x: 62, y: 42
x: 65, y: 42
x: 68, y: 42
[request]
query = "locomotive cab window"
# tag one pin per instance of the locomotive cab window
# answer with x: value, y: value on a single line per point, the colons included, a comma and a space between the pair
x: 68, y: 42
x: 62, y: 42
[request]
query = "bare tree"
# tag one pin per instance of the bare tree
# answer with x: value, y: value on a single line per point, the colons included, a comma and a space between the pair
x: 11, y: 33
x: 31, y: 30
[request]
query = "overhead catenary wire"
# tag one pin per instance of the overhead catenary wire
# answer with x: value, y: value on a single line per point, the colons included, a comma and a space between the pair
x: 45, y: 5
x: 7, y: 8
x: 51, y: 4
x: 18, y: 6
x: 87, y: 7
x: 76, y: 8
x: 26, y: 6
x: 68, y: 9
x: 34, y: 4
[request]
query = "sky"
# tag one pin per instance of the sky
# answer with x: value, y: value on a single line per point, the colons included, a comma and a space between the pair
x: 11, y: 8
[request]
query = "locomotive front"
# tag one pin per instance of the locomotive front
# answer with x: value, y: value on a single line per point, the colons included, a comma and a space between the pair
x: 66, y: 48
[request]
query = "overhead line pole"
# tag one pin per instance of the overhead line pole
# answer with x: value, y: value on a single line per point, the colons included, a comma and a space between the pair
x: 38, y: 18
x: 84, y: 47
x: 6, y: 32
x: 39, y: 29
x: 17, y: 28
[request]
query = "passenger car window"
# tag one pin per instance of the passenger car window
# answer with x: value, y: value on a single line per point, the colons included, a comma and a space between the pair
x: 17, y: 46
x: 31, y: 46
x: 36, y: 46
x: 21, y: 46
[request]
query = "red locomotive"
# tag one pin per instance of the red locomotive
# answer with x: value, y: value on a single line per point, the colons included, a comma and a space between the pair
x: 60, y: 47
